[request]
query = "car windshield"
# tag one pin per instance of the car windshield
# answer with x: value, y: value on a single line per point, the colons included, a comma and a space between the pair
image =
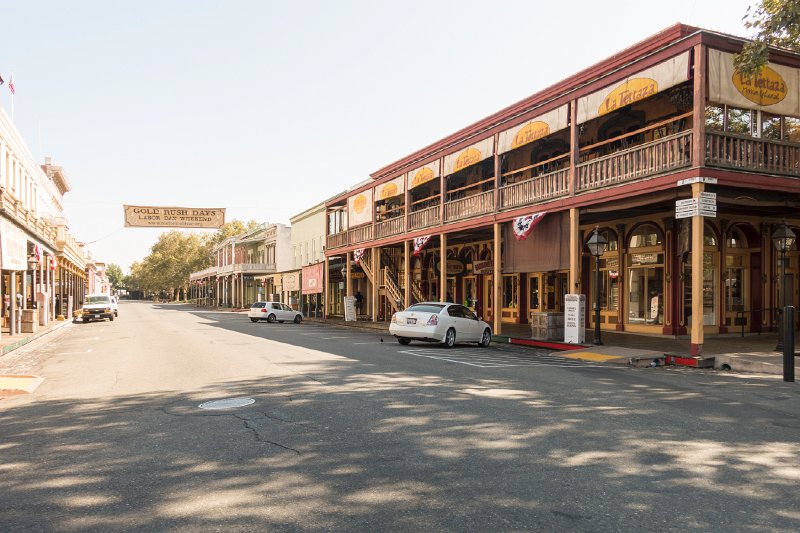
x: 101, y: 299
x: 426, y: 308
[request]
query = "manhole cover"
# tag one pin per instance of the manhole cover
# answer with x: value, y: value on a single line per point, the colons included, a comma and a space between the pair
x: 229, y: 403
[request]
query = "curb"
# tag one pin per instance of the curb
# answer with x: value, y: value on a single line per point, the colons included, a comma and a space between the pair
x: 22, y: 342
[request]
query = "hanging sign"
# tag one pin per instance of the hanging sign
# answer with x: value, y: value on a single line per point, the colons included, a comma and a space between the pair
x: 482, y: 267
x: 637, y: 87
x: 358, y: 253
x: 469, y: 156
x: 390, y: 189
x: 525, y: 224
x: 13, y: 247
x: 423, y: 174
x: 420, y: 243
x: 774, y: 88
x: 534, y: 129
x: 312, y: 279
x: 359, y: 209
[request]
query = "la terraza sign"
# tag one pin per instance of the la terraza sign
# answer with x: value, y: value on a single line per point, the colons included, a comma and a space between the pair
x: 137, y: 216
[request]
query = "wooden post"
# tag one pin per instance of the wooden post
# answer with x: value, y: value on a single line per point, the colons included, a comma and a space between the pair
x: 406, y: 274
x: 696, y: 347
x: 574, y: 148
x: 698, y: 119
x: 443, y: 267
x: 348, y: 281
x: 575, y: 249
x: 376, y: 267
x: 497, y: 280
x: 12, y: 315
x: 325, y: 290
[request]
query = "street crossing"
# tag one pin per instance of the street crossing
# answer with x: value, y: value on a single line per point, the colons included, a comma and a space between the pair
x: 497, y: 357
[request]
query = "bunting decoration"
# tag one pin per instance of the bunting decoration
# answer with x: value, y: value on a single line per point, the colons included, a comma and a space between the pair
x: 524, y: 225
x: 358, y: 253
x: 420, y: 242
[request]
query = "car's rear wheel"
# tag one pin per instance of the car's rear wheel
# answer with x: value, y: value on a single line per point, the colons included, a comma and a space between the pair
x: 298, y: 319
x: 271, y: 318
x: 404, y: 341
x: 449, y: 338
x: 486, y: 338
x: 253, y: 320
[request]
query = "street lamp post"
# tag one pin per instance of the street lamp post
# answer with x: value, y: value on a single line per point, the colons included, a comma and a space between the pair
x: 783, y: 238
x: 597, y: 246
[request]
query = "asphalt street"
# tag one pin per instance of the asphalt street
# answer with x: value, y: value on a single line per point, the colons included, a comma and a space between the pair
x: 345, y: 429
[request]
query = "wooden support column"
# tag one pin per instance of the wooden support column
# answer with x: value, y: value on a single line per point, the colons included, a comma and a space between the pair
x: 497, y: 177
x: 574, y: 148
x: 696, y: 347
x: 12, y: 315
x: 348, y: 280
x: 575, y: 249
x: 325, y: 289
x: 443, y: 267
x: 497, y: 280
x: 698, y: 119
x: 406, y: 274
x: 376, y: 273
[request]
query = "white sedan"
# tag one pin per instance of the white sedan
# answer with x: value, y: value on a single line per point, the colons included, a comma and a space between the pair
x: 446, y: 323
x: 274, y: 312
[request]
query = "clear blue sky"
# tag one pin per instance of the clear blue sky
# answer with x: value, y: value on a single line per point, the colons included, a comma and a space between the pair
x: 266, y: 108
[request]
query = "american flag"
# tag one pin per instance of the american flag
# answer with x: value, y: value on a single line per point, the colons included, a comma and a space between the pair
x: 11, y: 83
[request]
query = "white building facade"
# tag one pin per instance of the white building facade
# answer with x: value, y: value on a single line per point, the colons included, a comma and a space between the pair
x: 308, y: 255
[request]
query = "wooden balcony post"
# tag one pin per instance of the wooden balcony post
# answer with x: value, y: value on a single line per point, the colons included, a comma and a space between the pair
x: 325, y: 291
x: 696, y: 347
x: 442, y: 195
x: 443, y: 267
x: 406, y: 274
x: 699, y: 118
x: 497, y: 169
x: 348, y: 280
x: 376, y: 269
x: 497, y: 280
x: 574, y: 148
x: 575, y: 251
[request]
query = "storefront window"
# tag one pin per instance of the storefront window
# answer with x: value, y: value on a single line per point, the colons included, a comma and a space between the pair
x: 740, y: 121
x: 533, y: 300
x: 609, y: 284
x: 736, y: 239
x: 646, y: 235
x: 646, y: 289
x: 734, y: 283
x: 510, y: 286
x: 709, y: 290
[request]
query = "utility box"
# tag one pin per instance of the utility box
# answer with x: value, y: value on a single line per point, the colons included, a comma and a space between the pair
x: 547, y: 326
x: 30, y: 321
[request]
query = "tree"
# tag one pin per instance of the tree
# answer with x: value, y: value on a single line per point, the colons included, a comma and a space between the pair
x: 776, y: 24
x: 114, y: 273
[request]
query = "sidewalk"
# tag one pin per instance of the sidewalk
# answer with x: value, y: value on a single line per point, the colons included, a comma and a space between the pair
x: 753, y: 353
x: 13, y: 384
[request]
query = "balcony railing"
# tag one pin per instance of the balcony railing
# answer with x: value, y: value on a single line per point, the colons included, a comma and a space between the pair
x: 535, y: 190
x: 739, y: 151
x: 668, y: 153
x: 360, y: 234
x: 336, y: 240
x: 471, y: 206
x: 430, y: 216
x: 393, y: 226
x: 253, y: 267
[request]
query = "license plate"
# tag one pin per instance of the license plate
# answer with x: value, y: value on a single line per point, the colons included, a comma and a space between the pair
x: 411, y: 321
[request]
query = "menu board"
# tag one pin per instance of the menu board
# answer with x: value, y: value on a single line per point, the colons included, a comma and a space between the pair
x: 349, y: 308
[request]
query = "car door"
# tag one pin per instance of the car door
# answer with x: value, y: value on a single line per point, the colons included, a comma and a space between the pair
x: 457, y: 321
x: 288, y: 312
x: 475, y: 325
x: 277, y: 310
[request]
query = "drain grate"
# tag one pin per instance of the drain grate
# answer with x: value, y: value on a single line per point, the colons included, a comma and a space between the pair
x: 229, y: 403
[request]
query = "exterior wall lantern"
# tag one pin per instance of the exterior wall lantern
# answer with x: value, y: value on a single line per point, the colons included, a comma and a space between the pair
x: 597, y: 246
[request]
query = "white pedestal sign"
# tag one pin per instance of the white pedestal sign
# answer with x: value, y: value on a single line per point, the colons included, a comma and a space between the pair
x: 349, y: 308
x: 574, y: 318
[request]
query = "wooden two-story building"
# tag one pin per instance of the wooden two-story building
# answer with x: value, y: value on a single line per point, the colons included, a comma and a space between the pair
x: 615, y: 147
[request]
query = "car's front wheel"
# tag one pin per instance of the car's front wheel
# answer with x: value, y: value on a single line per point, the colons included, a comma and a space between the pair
x: 404, y: 341
x: 486, y: 338
x: 298, y: 319
x: 449, y: 338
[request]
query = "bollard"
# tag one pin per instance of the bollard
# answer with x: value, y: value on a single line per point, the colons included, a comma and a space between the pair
x: 788, y: 343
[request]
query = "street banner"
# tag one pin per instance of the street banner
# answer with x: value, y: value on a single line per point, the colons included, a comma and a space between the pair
x: 13, y: 247
x: 420, y: 242
x: 137, y: 216
x: 525, y: 224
